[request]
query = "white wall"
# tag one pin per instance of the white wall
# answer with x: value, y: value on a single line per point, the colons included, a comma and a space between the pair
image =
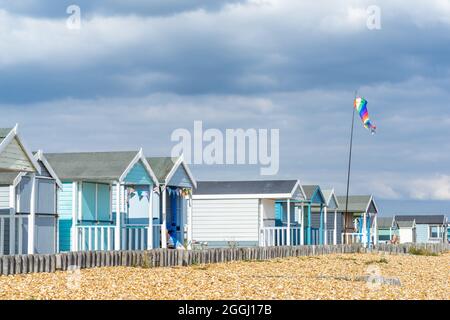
x: 225, y: 220
x: 406, y: 235
x: 4, y: 198
x: 268, y: 208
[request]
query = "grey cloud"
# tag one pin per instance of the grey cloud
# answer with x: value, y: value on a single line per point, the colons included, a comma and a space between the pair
x: 123, y: 82
x: 57, y: 9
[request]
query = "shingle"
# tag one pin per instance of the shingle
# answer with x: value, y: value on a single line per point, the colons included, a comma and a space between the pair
x: 3, y: 133
x: 7, y: 178
x: 385, y: 222
x: 355, y: 203
x: 422, y: 219
x: 309, y: 190
x: 245, y: 187
x: 90, y: 165
x: 405, y: 224
x: 161, y: 166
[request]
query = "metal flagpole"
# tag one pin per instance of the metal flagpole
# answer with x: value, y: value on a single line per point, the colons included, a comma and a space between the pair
x: 349, y: 170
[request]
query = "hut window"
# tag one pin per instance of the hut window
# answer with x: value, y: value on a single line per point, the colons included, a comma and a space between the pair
x: 434, y: 232
x: 96, y: 202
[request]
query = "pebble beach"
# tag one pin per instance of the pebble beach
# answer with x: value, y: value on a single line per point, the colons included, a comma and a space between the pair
x: 349, y: 276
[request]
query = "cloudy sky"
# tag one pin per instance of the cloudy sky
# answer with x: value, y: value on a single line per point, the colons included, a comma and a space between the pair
x: 137, y: 70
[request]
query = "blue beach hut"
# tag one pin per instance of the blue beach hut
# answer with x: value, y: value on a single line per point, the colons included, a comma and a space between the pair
x: 106, y: 200
x: 174, y: 205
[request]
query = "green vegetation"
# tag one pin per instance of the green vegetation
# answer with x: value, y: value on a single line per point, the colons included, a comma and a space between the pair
x: 381, y: 260
x: 421, y: 252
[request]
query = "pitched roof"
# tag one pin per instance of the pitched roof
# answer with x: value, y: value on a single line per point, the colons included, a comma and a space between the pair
x: 309, y: 190
x: 422, y: 219
x: 355, y: 203
x: 245, y: 187
x: 10, y: 137
x: 91, y: 165
x: 8, y: 178
x: 328, y: 194
x: 385, y: 222
x: 161, y: 166
x: 406, y: 224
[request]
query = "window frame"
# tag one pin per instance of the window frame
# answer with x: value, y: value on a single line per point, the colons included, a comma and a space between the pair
x: 430, y: 232
x: 96, y: 202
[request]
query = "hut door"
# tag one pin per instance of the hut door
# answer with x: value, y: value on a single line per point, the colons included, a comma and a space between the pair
x: 138, y: 204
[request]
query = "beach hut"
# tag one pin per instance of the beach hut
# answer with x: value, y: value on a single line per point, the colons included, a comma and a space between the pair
x: 407, y: 231
x: 360, y: 220
x: 30, y: 199
x: 16, y: 161
x: 387, y: 228
x: 243, y: 213
x: 174, y: 200
x: 428, y: 228
x: 106, y: 200
x: 314, y: 216
x: 332, y: 220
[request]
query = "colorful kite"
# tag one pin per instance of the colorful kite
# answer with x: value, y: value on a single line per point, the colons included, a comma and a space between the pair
x: 361, y: 107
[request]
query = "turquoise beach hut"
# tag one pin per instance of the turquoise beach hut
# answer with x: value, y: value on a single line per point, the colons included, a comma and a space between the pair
x: 314, y: 215
x: 96, y: 187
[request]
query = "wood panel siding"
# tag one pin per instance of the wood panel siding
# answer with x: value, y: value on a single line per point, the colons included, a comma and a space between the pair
x: 225, y: 220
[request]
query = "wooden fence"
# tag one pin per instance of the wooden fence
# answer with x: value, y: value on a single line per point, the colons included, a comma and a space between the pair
x: 21, y: 264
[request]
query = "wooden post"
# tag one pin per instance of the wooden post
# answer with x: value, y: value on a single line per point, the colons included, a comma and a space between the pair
x: 190, y: 222
x: 150, y: 220
x: 56, y: 246
x: 164, y: 219
x: 302, y: 225
x: 321, y: 225
x: 364, y: 229
x: 74, y: 233
x: 117, y: 230
x: 335, y: 228
x: 261, y: 222
x: 12, y: 221
x: 325, y: 223
x: 375, y: 226
x: 288, y: 236
x: 308, y: 228
x: 32, y: 216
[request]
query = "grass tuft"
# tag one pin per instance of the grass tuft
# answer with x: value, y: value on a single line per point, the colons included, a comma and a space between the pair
x: 379, y: 261
x: 421, y: 252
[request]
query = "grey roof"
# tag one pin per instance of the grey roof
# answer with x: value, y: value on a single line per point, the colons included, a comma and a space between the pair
x: 327, y: 194
x: 161, y: 166
x: 405, y: 224
x: 7, y: 178
x: 422, y: 219
x: 309, y: 190
x: 3, y: 133
x: 244, y: 187
x: 99, y: 166
x: 385, y: 222
x: 355, y: 203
